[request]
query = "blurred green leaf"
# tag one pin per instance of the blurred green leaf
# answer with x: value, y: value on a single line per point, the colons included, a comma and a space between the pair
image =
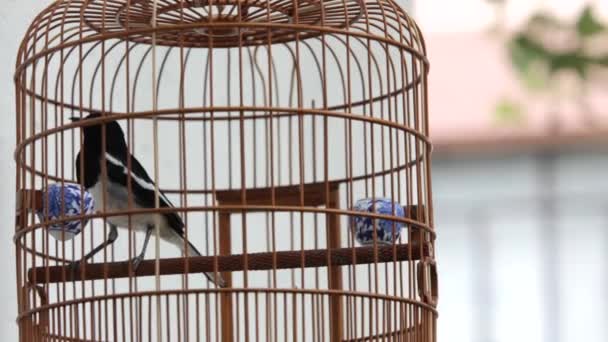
x: 509, y: 112
x: 573, y: 61
x: 587, y: 24
x: 536, y: 64
x: 524, y: 52
x: 531, y: 62
x: 603, y: 61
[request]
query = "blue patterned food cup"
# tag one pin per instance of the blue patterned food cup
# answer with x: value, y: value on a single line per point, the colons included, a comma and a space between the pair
x: 363, y: 226
x: 60, y: 202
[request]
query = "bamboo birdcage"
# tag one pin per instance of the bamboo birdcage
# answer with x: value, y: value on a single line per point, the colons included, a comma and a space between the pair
x: 264, y: 122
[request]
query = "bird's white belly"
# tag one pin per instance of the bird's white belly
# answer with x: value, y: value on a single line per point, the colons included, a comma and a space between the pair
x: 116, y: 199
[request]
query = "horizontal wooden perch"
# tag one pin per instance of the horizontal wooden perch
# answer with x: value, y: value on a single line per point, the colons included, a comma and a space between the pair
x: 231, y: 263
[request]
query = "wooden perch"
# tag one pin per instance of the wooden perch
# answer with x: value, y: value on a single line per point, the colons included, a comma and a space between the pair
x: 231, y: 263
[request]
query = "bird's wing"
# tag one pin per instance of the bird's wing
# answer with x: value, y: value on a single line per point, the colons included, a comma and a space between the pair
x: 143, y: 188
x: 78, y: 167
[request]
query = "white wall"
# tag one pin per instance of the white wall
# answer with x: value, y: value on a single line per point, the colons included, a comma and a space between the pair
x: 15, y: 16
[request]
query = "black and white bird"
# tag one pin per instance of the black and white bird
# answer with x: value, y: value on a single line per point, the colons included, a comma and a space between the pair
x: 116, y: 198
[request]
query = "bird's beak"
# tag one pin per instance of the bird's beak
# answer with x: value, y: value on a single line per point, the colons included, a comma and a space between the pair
x: 75, y: 119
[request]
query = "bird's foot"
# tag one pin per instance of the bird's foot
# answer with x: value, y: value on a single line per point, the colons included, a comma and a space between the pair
x: 135, y: 262
x: 218, y: 281
x: 73, y: 268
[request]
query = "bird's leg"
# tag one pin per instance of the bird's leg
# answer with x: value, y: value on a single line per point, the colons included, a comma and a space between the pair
x: 112, y: 236
x: 138, y: 259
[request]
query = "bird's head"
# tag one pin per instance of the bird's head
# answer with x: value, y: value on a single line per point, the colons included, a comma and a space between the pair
x: 115, y: 138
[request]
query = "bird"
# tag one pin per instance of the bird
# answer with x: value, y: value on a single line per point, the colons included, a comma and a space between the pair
x: 110, y: 191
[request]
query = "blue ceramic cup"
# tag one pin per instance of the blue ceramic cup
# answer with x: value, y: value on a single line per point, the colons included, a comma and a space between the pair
x: 60, y: 202
x: 363, y: 226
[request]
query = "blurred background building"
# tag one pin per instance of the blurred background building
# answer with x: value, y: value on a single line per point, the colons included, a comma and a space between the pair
x: 518, y: 119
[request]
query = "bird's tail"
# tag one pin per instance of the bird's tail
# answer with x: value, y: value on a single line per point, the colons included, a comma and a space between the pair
x: 215, y: 278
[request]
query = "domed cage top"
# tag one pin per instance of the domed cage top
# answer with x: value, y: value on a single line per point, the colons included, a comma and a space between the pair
x: 288, y: 140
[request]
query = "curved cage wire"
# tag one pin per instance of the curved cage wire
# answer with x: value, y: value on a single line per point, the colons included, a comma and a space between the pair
x: 265, y: 123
